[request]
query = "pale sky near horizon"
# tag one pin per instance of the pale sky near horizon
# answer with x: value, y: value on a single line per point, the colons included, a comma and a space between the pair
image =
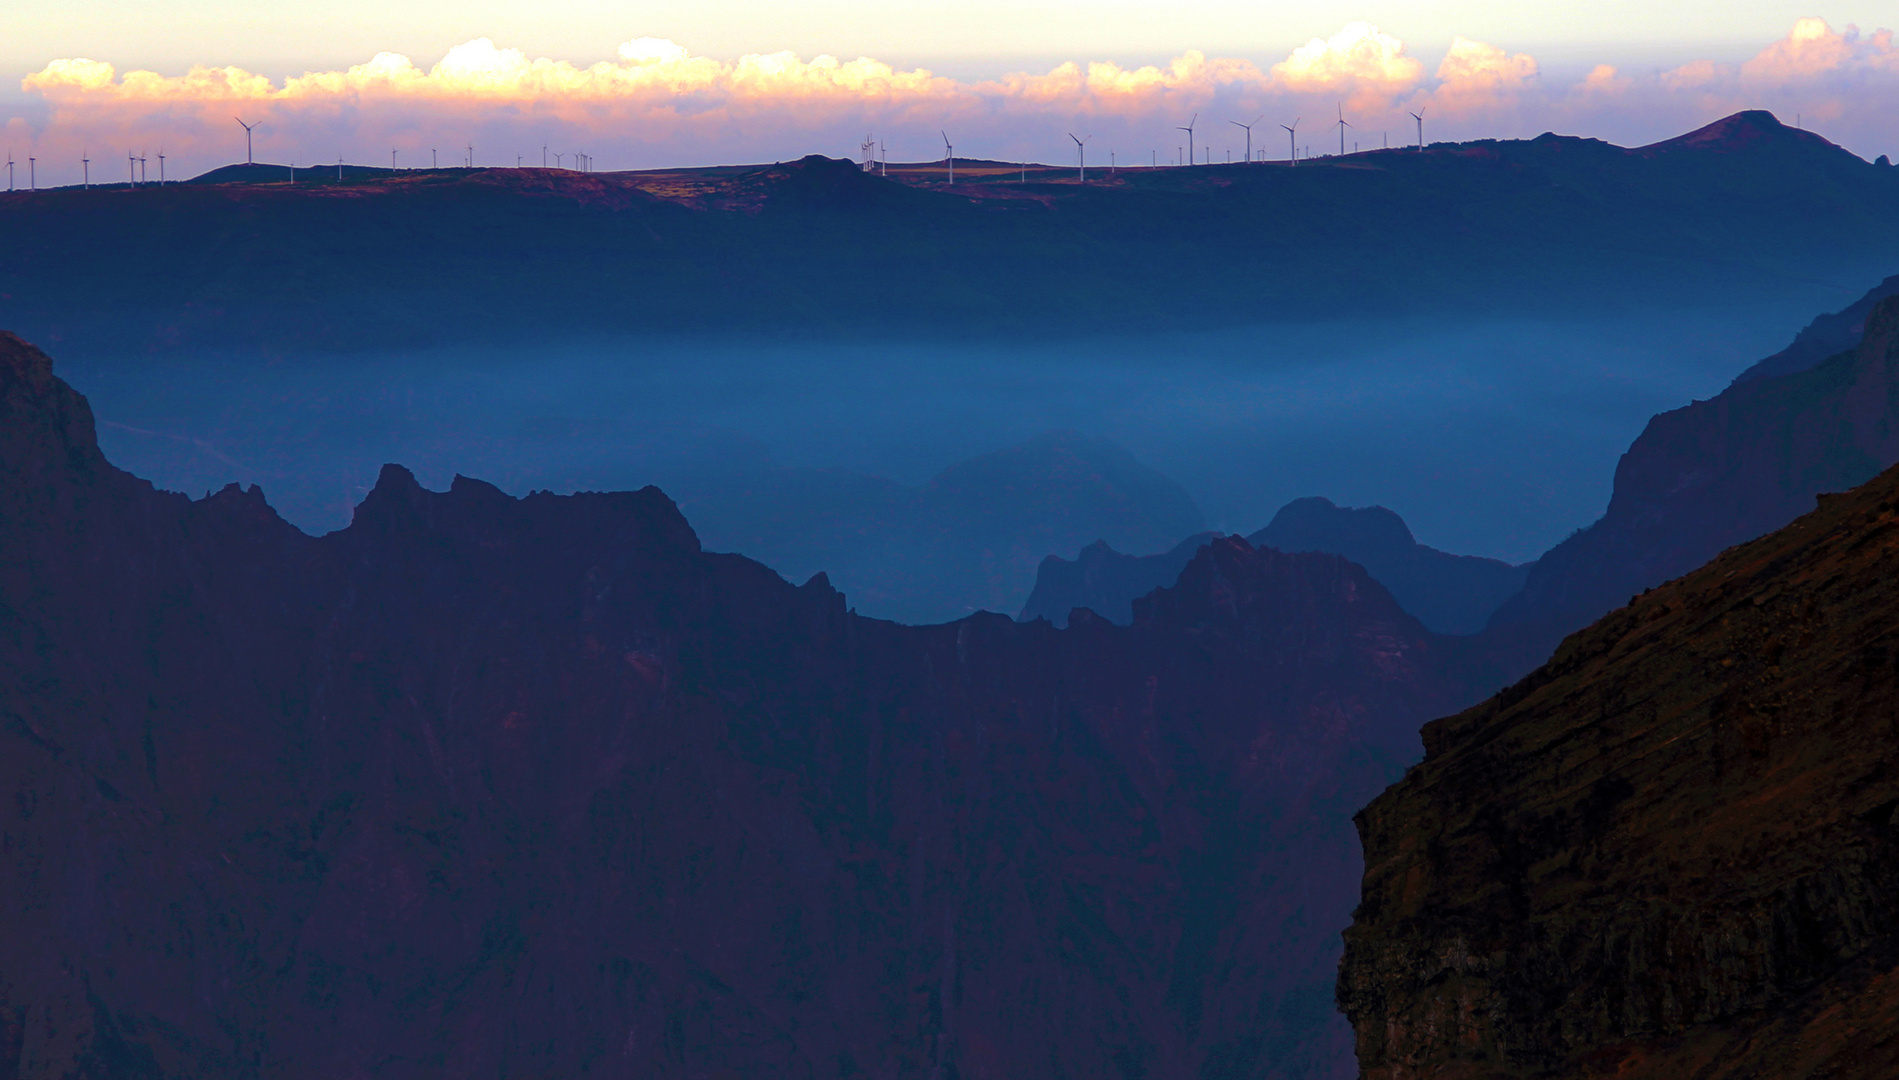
x: 980, y: 35
x: 672, y: 82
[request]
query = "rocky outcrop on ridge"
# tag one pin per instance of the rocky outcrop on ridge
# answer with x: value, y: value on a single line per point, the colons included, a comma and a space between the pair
x: 1672, y: 851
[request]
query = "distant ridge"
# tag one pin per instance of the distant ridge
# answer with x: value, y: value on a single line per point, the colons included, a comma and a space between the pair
x: 818, y: 247
x: 1743, y: 132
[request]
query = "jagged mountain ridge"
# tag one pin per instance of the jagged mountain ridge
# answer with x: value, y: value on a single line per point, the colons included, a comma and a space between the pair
x: 1826, y: 336
x: 1716, y: 473
x: 819, y: 248
x: 483, y: 785
x: 1449, y: 594
x: 1670, y: 852
x: 968, y: 540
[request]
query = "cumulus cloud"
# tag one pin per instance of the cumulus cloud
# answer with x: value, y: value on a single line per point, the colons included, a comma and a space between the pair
x: 656, y: 103
x: 1812, y: 48
x: 1367, y: 67
x: 1475, y: 77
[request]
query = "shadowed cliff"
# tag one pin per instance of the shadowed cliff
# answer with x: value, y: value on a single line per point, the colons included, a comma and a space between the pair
x: 1715, y: 473
x: 1672, y: 851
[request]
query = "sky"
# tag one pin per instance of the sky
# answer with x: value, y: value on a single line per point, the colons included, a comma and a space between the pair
x: 676, y: 83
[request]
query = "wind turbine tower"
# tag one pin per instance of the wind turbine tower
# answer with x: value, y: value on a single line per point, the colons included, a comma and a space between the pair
x: 1189, y: 130
x: 1249, y: 135
x: 248, y: 128
x: 9, y: 170
x: 161, y: 168
x: 1292, y: 141
x: 85, y: 170
x: 32, y: 173
x: 949, y: 156
x: 1419, y: 117
x: 1342, y: 126
x: 1081, y: 153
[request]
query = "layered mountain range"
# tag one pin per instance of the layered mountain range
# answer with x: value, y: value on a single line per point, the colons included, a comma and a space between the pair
x: 486, y: 786
x: 1672, y: 851
x: 385, y: 259
x: 970, y: 539
x: 1449, y: 594
x: 1716, y: 473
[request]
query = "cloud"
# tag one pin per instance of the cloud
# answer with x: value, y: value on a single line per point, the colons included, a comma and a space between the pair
x: 656, y: 103
x: 1359, y: 62
x: 1475, y: 77
x: 1604, y: 79
x: 1811, y: 48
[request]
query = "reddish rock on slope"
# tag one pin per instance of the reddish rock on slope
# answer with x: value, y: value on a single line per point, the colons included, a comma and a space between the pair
x: 1671, y: 852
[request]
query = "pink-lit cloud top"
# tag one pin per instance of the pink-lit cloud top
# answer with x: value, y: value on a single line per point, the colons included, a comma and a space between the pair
x: 659, y: 105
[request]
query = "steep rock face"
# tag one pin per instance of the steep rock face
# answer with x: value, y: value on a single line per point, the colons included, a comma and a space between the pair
x: 1716, y: 473
x: 1451, y: 594
x: 484, y: 786
x: 1672, y: 851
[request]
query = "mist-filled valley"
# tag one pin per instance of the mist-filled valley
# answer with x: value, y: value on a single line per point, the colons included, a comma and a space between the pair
x: 798, y: 620
x: 1489, y: 437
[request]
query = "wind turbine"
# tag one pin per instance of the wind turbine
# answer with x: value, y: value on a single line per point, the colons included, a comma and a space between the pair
x: 161, y: 166
x: 85, y: 166
x: 557, y: 158
x: 392, y: 159
x: 141, y: 168
x: 471, y: 155
x: 32, y: 173
x: 248, y: 128
x: 1249, y: 134
x: 1081, y: 152
x: 1292, y: 141
x: 1419, y: 117
x: 9, y: 170
x: 131, y: 169
x: 949, y: 156
x: 1189, y: 130
x: 1342, y: 126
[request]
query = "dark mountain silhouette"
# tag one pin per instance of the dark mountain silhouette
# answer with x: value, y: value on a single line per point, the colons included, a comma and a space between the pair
x: 1105, y: 581
x: 968, y: 540
x: 1449, y: 594
x: 1713, y: 474
x: 1670, y: 852
x: 1825, y: 336
x: 484, y: 786
x: 818, y: 248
